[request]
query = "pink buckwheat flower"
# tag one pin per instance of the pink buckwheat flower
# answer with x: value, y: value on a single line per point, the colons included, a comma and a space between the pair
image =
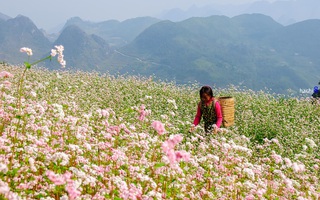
x: 171, y: 156
x: 277, y: 158
x: 5, y: 74
x: 171, y: 142
x: 174, y: 156
x: 56, y: 179
x: 175, y: 139
x: 7, y: 84
x: 142, y: 112
x: 72, y: 190
x: 250, y: 197
x: 159, y: 127
x: 182, y: 155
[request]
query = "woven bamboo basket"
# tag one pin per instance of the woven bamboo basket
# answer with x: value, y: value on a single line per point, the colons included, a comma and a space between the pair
x: 227, y: 108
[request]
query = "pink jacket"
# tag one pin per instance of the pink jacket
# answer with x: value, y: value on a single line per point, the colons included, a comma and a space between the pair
x: 197, y: 118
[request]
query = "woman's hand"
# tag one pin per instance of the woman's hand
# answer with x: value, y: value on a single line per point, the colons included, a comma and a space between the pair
x: 215, y: 129
x: 191, y: 129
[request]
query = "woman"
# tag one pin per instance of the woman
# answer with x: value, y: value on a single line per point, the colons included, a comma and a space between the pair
x: 209, y: 109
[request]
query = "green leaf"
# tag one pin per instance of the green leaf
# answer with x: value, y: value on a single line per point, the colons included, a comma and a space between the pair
x: 28, y: 65
x: 13, y: 172
x: 159, y: 165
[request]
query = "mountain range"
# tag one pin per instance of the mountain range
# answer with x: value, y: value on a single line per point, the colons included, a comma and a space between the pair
x: 250, y: 50
x: 285, y: 12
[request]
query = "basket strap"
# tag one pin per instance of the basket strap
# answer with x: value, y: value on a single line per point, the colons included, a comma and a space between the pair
x: 214, y: 103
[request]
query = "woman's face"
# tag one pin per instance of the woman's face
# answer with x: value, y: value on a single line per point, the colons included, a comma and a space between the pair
x: 205, y: 97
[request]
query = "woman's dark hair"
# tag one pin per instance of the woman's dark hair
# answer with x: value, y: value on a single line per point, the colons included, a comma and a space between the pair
x: 206, y: 90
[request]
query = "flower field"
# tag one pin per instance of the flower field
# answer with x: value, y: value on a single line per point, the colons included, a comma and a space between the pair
x: 77, y: 135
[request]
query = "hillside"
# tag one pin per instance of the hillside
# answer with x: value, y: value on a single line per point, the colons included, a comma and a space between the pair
x: 246, y: 49
x: 21, y: 32
x: 79, y: 46
x: 80, y: 135
x: 251, y: 50
x: 114, y: 32
x: 4, y: 17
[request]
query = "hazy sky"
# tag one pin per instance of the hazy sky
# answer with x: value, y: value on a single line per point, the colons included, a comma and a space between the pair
x: 48, y: 14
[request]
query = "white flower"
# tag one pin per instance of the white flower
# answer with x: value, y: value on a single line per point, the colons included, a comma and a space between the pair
x: 53, y: 52
x: 26, y: 50
x: 311, y: 143
x: 214, y: 157
x: 298, y: 167
x: 3, y: 168
x: 249, y: 185
x: 87, y: 146
x: 31, y: 161
x: 249, y: 173
x: 226, y: 146
x: 59, y: 76
x: 59, y: 50
x: 288, y: 182
x: 58, y: 110
x: 33, y: 93
x: 132, y: 127
x: 62, y: 157
x: 64, y: 197
x: 164, y: 116
x: 288, y: 162
x: 173, y: 102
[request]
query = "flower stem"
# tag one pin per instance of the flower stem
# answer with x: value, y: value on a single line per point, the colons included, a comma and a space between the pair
x: 20, y: 83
